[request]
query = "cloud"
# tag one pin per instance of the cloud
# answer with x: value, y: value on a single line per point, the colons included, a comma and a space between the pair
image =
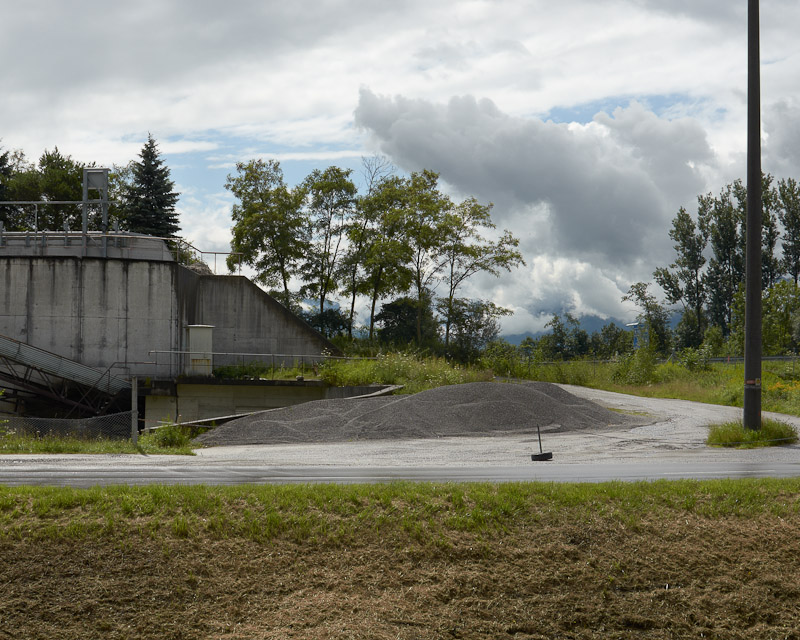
x: 782, y: 146
x: 605, y: 191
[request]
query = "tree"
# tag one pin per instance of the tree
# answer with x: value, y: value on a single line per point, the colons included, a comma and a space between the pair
x: 684, y: 280
x: 5, y: 190
x: 56, y: 177
x: 425, y: 209
x: 330, y: 323
x: 384, y: 251
x: 270, y: 230
x: 653, y: 314
x: 610, y: 341
x: 150, y: 197
x: 331, y: 204
x: 771, y: 267
x: 789, y: 214
x: 400, y: 323
x: 361, y: 232
x: 726, y: 266
x: 474, y: 325
x: 466, y: 252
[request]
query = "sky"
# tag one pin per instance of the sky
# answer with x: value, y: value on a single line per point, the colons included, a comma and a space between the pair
x: 587, y: 124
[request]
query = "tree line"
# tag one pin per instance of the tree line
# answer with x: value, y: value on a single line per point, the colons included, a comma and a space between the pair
x: 394, y: 243
x: 706, y: 279
x: 141, y: 193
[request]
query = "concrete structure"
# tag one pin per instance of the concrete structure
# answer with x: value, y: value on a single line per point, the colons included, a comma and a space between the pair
x: 131, y: 313
x: 188, y: 400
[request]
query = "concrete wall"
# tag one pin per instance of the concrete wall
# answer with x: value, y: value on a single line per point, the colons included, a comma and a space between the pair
x: 247, y: 320
x: 111, y: 313
x: 194, y: 400
x: 102, y: 313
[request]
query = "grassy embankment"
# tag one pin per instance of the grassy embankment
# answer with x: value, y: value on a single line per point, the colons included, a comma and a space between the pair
x: 647, y: 560
x: 716, y: 383
x: 166, y: 440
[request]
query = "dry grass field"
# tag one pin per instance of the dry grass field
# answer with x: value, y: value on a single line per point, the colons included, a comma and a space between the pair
x: 651, y: 560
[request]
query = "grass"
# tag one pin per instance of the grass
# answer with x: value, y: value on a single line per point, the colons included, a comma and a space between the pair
x: 733, y: 434
x: 639, y: 374
x: 682, y: 559
x: 170, y: 440
x: 257, y: 370
x: 415, y: 374
x: 344, y: 514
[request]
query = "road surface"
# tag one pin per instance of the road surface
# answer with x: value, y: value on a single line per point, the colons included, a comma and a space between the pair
x: 671, y: 446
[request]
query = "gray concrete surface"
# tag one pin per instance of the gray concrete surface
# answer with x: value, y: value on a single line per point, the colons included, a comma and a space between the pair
x: 676, y: 434
x: 670, y: 446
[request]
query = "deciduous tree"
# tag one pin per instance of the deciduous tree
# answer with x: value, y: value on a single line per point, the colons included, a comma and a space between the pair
x: 467, y: 252
x: 270, y: 229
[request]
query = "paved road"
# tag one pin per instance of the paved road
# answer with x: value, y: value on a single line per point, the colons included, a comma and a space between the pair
x: 129, y: 474
x: 670, y: 446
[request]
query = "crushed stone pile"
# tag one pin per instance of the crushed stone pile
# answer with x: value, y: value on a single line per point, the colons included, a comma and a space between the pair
x: 474, y: 409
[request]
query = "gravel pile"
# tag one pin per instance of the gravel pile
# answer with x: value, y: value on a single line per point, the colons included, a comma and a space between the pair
x: 475, y: 409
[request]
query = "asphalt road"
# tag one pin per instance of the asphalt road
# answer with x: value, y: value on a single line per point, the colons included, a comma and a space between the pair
x: 671, y: 446
x: 129, y: 474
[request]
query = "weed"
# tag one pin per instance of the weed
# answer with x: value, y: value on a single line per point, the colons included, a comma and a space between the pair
x: 733, y: 434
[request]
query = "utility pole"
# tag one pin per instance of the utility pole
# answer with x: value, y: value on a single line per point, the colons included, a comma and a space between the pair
x: 752, y: 312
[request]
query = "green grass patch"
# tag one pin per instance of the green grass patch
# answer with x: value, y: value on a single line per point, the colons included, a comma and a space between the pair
x: 414, y: 373
x: 171, y: 440
x: 402, y: 512
x: 733, y: 434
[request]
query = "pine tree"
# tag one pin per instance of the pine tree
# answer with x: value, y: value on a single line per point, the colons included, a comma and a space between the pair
x: 150, y: 197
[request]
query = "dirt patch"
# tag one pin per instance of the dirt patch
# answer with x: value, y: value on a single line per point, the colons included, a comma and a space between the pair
x: 666, y: 577
x: 474, y: 409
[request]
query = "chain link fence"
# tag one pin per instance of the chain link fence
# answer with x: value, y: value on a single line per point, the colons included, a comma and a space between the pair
x: 115, y: 426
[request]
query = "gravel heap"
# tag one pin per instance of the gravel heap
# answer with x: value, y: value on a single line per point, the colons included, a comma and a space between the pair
x: 475, y: 409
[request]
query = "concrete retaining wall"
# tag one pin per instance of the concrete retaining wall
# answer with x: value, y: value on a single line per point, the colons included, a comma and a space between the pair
x: 112, y: 313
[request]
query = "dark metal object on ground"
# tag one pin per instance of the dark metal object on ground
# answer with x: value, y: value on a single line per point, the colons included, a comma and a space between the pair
x: 542, y: 455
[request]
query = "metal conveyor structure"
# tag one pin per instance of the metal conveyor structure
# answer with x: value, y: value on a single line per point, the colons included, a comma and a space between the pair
x: 45, y: 374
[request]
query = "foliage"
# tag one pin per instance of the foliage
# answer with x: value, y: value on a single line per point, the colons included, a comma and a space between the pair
x: 654, y: 315
x: 12, y: 443
x: 331, y: 205
x: 270, y: 230
x: 150, y: 196
x: 473, y: 325
x: 257, y: 370
x: 733, y: 434
x: 172, y: 438
x: 404, y: 322
x: 407, y: 369
x: 637, y: 368
x: 56, y: 177
x: 467, y: 252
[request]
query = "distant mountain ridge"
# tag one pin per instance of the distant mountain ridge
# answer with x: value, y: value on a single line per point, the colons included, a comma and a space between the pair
x: 590, y: 324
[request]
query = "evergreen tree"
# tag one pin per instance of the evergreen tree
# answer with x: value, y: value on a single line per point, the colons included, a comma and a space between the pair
x: 150, y: 198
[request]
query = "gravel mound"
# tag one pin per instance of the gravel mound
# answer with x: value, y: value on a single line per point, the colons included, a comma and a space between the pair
x: 475, y: 409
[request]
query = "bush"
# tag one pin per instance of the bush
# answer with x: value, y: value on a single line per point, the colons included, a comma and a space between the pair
x: 638, y: 367
x: 169, y: 437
